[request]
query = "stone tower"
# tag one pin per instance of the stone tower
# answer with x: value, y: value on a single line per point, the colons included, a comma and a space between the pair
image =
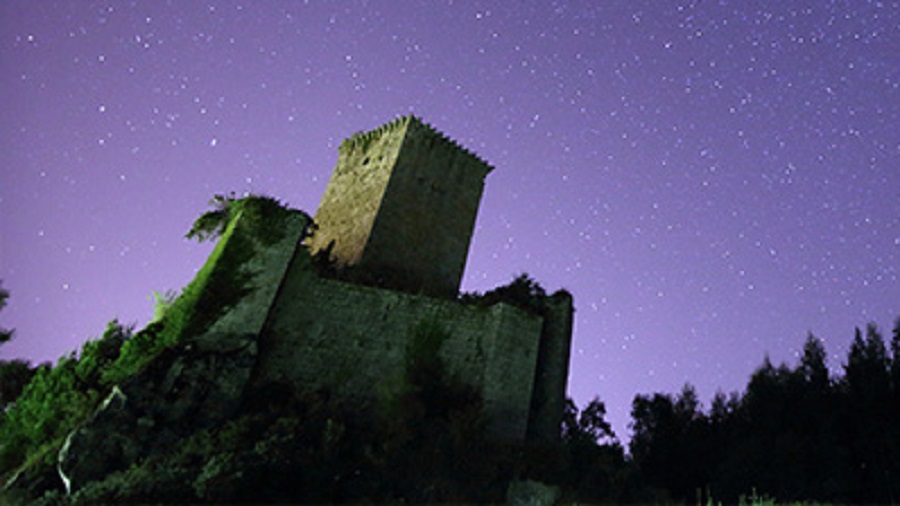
x: 401, y: 206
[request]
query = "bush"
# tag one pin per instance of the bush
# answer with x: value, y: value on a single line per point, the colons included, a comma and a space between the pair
x: 522, y: 292
x: 58, y: 398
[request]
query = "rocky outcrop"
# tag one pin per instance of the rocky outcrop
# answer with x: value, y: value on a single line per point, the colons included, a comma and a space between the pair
x: 194, y: 385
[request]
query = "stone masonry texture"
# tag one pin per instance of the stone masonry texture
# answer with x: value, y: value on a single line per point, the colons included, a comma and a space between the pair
x: 352, y: 341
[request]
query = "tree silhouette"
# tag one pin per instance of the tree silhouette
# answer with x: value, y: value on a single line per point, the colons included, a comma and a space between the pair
x: 668, y: 445
x: 796, y: 434
x: 5, y: 334
x: 812, y: 364
x: 522, y: 292
x: 14, y: 374
x: 596, y: 461
x: 212, y: 224
x: 893, y: 435
x: 589, y: 425
x: 867, y: 384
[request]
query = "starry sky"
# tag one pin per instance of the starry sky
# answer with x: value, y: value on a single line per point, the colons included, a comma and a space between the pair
x: 710, y: 180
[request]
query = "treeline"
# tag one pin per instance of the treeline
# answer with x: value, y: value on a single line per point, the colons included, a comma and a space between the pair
x: 795, y: 434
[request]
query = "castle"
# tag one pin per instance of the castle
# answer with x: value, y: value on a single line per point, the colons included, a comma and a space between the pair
x: 400, y: 208
x: 264, y: 318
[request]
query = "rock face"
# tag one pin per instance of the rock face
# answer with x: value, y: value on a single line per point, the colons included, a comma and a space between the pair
x: 192, y: 386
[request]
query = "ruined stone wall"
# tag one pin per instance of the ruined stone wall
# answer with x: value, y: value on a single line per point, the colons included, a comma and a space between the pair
x: 552, y: 370
x: 263, y: 273
x: 352, y: 340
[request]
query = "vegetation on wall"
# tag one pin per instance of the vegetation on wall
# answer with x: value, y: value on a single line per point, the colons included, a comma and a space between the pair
x: 424, y: 389
x: 287, y: 447
x: 522, y: 292
x: 219, y: 285
x: 796, y: 433
x: 265, y: 218
x: 423, y: 347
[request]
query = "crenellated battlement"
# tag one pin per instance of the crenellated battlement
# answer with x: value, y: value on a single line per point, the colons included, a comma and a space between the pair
x: 363, y: 140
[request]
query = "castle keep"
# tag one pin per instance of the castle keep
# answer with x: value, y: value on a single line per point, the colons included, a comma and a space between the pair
x: 401, y: 204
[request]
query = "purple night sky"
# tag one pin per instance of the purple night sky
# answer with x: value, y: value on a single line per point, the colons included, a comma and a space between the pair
x: 710, y: 180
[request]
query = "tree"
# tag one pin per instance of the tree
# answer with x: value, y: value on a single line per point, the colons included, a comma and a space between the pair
x: 810, y: 432
x: 894, y: 413
x: 668, y: 446
x: 687, y: 405
x: 895, y: 359
x: 265, y: 216
x: 596, y: 460
x: 212, y: 224
x: 867, y: 390
x: 868, y: 367
x: 812, y: 364
x: 723, y: 407
x: 796, y: 433
x: 522, y: 292
x: 589, y: 426
x: 14, y: 374
x: 5, y: 334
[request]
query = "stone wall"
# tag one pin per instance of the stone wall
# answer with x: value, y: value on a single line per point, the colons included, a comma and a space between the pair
x: 352, y: 341
x: 552, y: 369
x: 265, y: 270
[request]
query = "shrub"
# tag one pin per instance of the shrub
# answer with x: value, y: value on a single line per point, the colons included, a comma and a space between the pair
x: 522, y: 292
x: 57, y: 399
